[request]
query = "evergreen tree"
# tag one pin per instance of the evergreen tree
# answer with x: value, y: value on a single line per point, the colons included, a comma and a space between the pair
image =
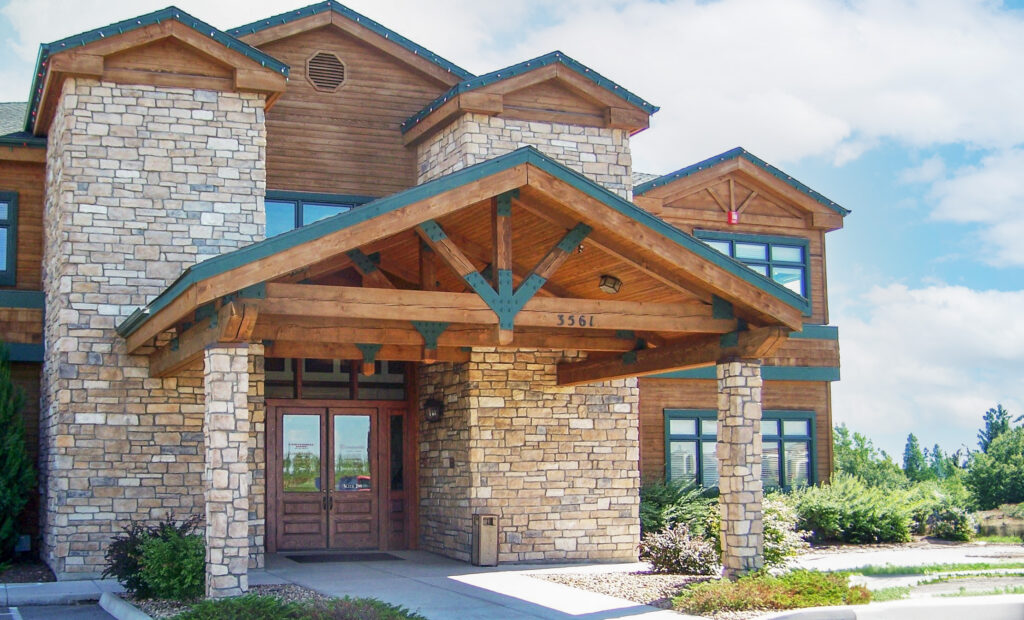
x: 914, y: 464
x: 17, y: 475
x: 997, y: 422
x: 939, y: 463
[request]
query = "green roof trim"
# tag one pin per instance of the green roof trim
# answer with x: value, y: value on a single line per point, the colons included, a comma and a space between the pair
x: 24, y: 352
x: 121, y: 27
x: 23, y: 138
x: 340, y: 9
x: 817, y: 332
x: 768, y: 373
x: 13, y: 298
x: 524, y: 155
x: 733, y: 154
x: 525, y: 67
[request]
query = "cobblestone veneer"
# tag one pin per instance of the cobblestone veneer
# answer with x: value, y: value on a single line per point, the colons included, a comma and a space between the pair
x: 601, y: 154
x: 739, y: 466
x: 142, y: 182
x: 558, y: 465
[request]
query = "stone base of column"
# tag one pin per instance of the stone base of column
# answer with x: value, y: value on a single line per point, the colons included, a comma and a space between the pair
x: 739, y: 467
x: 226, y: 430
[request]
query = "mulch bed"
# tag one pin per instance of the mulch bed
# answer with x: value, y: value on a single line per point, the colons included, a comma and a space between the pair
x: 288, y: 593
x: 25, y: 570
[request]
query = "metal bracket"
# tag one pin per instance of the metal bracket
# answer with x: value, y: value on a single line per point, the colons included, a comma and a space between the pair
x: 433, y: 231
x: 720, y: 308
x: 365, y: 263
x: 504, y: 202
x: 430, y: 330
x: 369, y: 352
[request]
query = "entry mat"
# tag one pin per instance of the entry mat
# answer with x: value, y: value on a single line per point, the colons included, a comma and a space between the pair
x: 342, y: 557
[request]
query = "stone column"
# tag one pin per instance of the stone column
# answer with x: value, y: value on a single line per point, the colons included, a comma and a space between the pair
x: 226, y: 432
x: 739, y: 466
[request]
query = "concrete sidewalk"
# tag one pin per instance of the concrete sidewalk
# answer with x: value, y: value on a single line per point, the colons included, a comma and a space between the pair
x: 937, y: 553
x: 55, y: 593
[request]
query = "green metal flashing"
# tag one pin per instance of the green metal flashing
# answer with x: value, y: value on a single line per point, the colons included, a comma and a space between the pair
x: 525, y: 155
x: 22, y: 299
x: 286, y: 195
x: 121, y: 27
x: 362, y: 20
x: 24, y: 352
x: 768, y: 373
x: 710, y: 162
x: 474, y: 83
x: 22, y: 138
x: 816, y: 332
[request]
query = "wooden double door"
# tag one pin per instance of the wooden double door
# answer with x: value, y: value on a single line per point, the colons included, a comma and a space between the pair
x: 335, y: 478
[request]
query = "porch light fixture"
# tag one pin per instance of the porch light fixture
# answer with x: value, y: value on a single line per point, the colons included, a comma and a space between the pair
x: 610, y: 284
x: 433, y: 409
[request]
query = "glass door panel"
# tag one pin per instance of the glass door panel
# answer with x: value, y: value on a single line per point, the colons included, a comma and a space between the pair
x: 352, y: 453
x: 303, y: 518
x: 353, y: 502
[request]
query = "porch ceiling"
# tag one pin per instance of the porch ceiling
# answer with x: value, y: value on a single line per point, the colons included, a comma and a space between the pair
x: 507, y: 253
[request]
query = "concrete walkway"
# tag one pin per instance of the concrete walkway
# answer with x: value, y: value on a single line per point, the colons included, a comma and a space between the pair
x: 936, y: 553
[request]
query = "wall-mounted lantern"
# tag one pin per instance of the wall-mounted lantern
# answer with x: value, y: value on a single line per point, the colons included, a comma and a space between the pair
x: 433, y: 409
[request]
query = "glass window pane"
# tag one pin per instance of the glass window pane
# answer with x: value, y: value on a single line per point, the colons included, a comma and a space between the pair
x: 3, y: 249
x: 280, y: 377
x: 313, y: 211
x: 682, y: 427
x: 788, y: 253
x: 352, y: 452
x: 683, y: 460
x: 800, y: 428
x: 328, y: 379
x: 709, y: 464
x: 761, y: 269
x: 300, y: 466
x: 721, y: 246
x: 280, y: 217
x: 798, y: 463
x: 755, y: 251
x: 386, y: 383
x: 4, y: 209
x: 708, y: 428
x: 397, y: 446
x: 790, y: 277
x: 770, y: 464
x: 770, y: 427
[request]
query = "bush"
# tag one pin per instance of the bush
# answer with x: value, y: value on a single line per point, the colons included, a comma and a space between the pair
x: 174, y: 565
x: 997, y: 476
x: 665, y: 504
x: 124, y: 554
x: 17, y: 476
x: 675, y: 551
x: 782, y: 540
x: 951, y: 523
x: 255, y: 607
x: 761, y: 591
x: 849, y: 511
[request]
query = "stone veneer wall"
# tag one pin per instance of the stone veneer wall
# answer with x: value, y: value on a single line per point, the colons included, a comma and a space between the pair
x: 559, y: 465
x: 601, y: 154
x: 142, y: 182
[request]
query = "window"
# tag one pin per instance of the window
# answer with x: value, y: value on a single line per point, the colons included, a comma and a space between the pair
x: 787, y: 445
x: 8, y: 237
x: 290, y: 210
x: 783, y: 259
x: 334, y: 379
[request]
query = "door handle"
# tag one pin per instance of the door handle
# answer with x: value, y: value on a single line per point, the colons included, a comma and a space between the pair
x: 330, y: 502
x: 324, y: 502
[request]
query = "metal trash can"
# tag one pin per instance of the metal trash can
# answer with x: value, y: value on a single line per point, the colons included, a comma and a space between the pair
x: 485, y: 540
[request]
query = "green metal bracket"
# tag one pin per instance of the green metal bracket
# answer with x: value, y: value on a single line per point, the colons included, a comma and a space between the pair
x: 572, y: 239
x: 629, y: 358
x: 504, y: 202
x: 430, y: 330
x: 720, y: 308
x: 625, y: 334
x: 732, y: 339
x: 203, y: 312
x: 365, y: 263
x: 174, y: 344
x: 369, y: 352
x: 433, y: 230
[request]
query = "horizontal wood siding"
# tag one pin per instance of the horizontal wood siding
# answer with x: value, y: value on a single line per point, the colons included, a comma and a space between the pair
x: 27, y: 180
x: 21, y: 325
x: 806, y: 352
x: 349, y: 141
x: 656, y: 395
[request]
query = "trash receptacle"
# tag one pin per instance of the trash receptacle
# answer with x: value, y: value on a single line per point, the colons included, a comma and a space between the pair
x: 485, y: 540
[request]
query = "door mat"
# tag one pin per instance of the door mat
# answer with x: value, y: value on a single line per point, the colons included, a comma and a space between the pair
x: 342, y: 557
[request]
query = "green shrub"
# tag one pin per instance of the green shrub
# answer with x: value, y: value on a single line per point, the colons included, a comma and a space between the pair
x: 761, y: 591
x: 847, y: 510
x: 17, y: 476
x: 676, y: 551
x: 358, y: 609
x: 124, y: 554
x: 174, y: 566
x: 951, y: 523
x: 255, y: 607
x: 782, y: 539
x: 665, y: 504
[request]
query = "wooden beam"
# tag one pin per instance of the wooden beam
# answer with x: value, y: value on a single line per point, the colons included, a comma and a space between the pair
x: 520, y: 271
x: 321, y: 350
x: 234, y: 323
x: 693, y: 353
x: 428, y: 267
x: 469, y: 308
x: 372, y: 275
x: 445, y: 247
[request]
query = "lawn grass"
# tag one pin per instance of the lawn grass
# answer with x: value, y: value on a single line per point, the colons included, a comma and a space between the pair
x: 999, y: 539
x: 763, y: 592
x: 929, y: 569
x: 945, y: 578
x: 895, y: 593
x: 992, y: 592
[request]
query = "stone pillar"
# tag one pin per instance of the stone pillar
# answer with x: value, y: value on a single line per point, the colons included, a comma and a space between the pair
x: 226, y: 432
x: 739, y: 466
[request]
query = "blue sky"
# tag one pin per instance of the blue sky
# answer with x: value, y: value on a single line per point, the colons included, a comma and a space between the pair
x: 908, y: 113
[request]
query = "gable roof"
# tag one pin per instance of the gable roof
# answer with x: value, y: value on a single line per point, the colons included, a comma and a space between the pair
x: 738, y: 152
x: 525, y: 155
x: 524, y: 67
x: 340, y: 9
x: 170, y: 13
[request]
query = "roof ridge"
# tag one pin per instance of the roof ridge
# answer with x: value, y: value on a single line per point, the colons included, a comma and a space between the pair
x: 341, y: 9
x: 733, y: 153
x: 523, y: 67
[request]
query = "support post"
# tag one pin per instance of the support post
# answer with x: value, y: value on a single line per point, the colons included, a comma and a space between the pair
x: 226, y: 435
x: 739, y: 466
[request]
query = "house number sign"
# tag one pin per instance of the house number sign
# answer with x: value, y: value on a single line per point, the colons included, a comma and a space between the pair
x: 576, y: 320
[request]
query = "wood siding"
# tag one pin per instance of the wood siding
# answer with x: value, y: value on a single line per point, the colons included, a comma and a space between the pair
x: 656, y: 395
x: 349, y: 141
x: 21, y: 325
x: 27, y: 180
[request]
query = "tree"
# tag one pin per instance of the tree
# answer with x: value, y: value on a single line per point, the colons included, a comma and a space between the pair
x: 997, y: 476
x: 915, y: 466
x: 17, y: 475
x: 997, y: 422
x: 856, y: 455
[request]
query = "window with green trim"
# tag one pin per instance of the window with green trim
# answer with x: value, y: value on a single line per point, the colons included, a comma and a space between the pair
x: 787, y: 447
x: 8, y: 237
x: 783, y: 259
x: 290, y: 210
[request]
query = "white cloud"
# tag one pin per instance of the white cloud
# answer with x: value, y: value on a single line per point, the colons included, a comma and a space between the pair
x: 928, y: 361
x: 928, y: 171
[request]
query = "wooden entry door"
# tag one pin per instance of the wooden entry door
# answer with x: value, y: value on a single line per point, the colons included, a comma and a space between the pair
x: 326, y: 476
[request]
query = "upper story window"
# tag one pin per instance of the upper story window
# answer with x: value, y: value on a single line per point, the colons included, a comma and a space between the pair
x: 787, y: 447
x: 290, y: 210
x: 783, y: 259
x: 8, y: 237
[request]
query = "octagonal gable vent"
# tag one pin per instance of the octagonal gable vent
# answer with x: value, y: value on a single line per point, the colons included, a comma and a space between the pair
x: 325, y: 71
